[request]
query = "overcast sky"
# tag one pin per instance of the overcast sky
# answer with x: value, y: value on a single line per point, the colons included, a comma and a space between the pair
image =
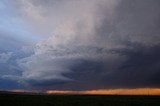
x: 79, y: 44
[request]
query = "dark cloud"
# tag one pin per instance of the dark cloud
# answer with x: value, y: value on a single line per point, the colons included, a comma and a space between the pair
x: 102, y: 44
x: 140, y: 69
x: 9, y: 84
x: 108, y: 58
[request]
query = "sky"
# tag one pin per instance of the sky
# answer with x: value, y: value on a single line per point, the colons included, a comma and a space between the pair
x: 79, y: 45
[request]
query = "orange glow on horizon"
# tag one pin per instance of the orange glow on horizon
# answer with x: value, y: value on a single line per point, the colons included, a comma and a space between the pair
x: 136, y: 91
x: 19, y: 90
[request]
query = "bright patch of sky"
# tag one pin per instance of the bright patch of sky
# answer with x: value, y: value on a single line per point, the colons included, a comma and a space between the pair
x: 13, y: 26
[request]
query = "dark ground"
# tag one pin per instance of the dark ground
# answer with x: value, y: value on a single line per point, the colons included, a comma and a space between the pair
x: 10, y: 99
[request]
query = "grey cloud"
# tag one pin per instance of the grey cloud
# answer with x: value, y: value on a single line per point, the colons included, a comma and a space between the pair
x: 11, y: 42
x: 52, y: 65
x: 135, y: 21
x: 99, y: 48
x: 135, y: 66
x: 40, y: 17
x: 9, y: 69
x: 4, y: 57
x: 141, y: 69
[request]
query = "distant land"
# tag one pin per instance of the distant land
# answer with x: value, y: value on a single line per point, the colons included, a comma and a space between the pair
x: 44, y: 99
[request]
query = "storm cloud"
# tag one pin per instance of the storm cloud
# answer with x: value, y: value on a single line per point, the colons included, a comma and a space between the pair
x: 94, y: 44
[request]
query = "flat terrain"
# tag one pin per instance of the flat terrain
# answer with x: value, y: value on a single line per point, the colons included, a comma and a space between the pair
x: 10, y: 99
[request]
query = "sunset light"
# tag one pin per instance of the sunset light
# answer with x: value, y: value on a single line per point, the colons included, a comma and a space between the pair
x: 138, y: 91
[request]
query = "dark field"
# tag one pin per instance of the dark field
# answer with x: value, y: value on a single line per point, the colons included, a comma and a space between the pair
x: 76, y: 100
